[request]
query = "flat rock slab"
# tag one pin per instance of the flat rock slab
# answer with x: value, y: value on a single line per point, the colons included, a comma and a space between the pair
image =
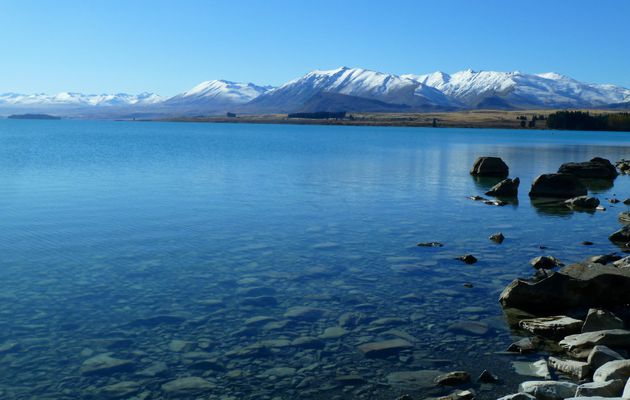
x: 612, y: 388
x: 555, y: 327
x: 578, y: 369
x: 384, y: 348
x: 580, y: 345
x: 538, y: 369
x: 600, y: 355
x: 413, y: 379
x: 304, y: 313
x: 548, y: 390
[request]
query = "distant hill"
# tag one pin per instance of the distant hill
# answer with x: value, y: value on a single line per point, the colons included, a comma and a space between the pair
x: 32, y: 116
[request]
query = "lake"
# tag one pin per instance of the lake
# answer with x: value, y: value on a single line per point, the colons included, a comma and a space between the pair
x: 236, y: 261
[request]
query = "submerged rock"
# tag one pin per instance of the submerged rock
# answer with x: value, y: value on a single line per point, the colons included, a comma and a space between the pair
x: 490, y: 166
x: 187, y: 386
x: 537, y: 369
x: 454, y: 378
x: 596, y: 168
x: 505, y: 188
x: 429, y: 244
x: 555, y: 327
x: 469, y: 328
x: 104, y: 364
x: 561, y: 186
x: 525, y: 345
x: 119, y: 390
x: 583, y: 202
x: 384, y: 348
x: 413, y: 379
x: 487, y: 377
x: 304, y: 313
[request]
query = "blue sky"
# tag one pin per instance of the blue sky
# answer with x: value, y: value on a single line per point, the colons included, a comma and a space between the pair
x: 169, y: 46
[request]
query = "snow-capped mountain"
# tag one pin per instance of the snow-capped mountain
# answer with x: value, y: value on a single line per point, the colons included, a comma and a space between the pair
x: 341, y: 89
x: 216, y: 94
x: 354, y: 83
x: 473, y: 89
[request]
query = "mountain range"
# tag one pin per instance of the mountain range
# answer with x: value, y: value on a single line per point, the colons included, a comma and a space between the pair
x: 341, y: 89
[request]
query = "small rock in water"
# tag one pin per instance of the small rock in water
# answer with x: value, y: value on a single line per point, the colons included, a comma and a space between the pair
x: 429, y: 244
x: 468, y: 259
x: 454, y: 378
x: 587, y: 243
x: 9, y: 346
x: 497, y: 237
x: 505, y: 188
x: 490, y: 166
x: 583, y: 202
x: 614, y: 200
x: 487, y: 377
x: 333, y: 332
x: 621, y: 236
x: 545, y: 262
x: 119, y: 390
x: 468, y: 285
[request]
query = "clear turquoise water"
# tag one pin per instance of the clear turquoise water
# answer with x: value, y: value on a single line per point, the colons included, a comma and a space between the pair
x: 105, y: 223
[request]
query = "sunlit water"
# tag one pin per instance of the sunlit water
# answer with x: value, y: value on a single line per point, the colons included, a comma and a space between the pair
x: 108, y: 225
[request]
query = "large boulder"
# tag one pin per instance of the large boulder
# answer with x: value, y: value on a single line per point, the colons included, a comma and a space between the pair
x: 618, y: 369
x: 560, y: 186
x: 548, y: 390
x: 612, y: 388
x: 555, y: 327
x: 599, y: 320
x: 583, y: 344
x: 596, y: 168
x: 505, y: 188
x: 600, y: 355
x: 621, y: 236
x: 577, y: 285
x: 490, y: 166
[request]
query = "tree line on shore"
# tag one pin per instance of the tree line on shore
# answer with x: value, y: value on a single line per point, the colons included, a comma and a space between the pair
x: 584, y: 121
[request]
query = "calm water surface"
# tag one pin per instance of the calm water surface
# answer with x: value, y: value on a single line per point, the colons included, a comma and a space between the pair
x: 158, y: 244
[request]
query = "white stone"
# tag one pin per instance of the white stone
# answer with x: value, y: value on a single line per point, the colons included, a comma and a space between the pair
x: 548, y: 390
x: 618, y: 369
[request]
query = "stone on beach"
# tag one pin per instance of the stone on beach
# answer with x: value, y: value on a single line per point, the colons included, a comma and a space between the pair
x: 505, y: 188
x: 579, y: 369
x: 617, y: 369
x: 384, y: 348
x: 612, y: 388
x: 600, y: 355
x: 549, y: 390
x: 490, y: 166
x: 545, y: 262
x: 561, y: 186
x: 596, y: 168
x: 598, y: 320
x: 555, y: 327
x: 580, y: 345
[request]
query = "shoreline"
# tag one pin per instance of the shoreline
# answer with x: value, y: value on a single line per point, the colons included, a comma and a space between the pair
x: 479, y: 119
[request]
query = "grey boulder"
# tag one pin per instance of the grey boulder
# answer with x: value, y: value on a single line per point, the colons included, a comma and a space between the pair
x: 561, y: 186
x: 490, y: 166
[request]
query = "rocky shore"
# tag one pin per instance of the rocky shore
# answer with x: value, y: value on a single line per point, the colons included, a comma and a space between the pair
x: 576, y: 316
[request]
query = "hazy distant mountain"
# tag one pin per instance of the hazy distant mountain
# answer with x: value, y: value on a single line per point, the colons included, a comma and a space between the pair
x: 341, y: 89
x: 480, y: 89
x: 216, y: 95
